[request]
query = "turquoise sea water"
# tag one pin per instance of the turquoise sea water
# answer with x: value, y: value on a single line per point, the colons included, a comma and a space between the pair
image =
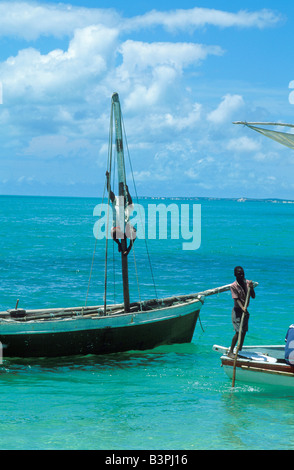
x: 174, y: 397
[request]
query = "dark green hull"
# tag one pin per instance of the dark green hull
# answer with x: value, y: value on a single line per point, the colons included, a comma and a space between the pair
x: 101, y: 340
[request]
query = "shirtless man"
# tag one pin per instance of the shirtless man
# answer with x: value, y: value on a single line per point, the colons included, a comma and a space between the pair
x: 116, y: 232
x: 239, y: 290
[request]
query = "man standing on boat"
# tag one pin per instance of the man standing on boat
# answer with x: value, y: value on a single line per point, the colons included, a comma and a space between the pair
x: 124, y: 210
x: 239, y: 290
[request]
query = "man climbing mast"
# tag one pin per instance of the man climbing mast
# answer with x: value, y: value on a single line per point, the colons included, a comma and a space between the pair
x: 122, y: 207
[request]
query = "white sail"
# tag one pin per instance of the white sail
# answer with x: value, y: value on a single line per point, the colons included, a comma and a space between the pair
x: 284, y: 138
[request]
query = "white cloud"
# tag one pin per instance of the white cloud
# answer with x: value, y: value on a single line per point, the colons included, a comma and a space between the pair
x: 142, y: 175
x: 27, y: 179
x: 149, y: 71
x: 226, y: 108
x: 243, y: 144
x: 192, y: 174
x: 268, y: 156
x: 31, y: 20
x: 36, y: 74
x: 152, y: 69
x: 57, y: 146
x: 139, y: 55
x: 199, y: 17
x: 178, y: 121
x: 57, y: 98
x: 146, y: 91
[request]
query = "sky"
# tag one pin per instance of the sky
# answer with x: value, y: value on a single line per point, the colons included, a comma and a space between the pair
x: 184, y: 71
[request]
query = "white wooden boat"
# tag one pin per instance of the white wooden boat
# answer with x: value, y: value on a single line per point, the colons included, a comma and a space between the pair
x: 104, y: 328
x: 259, y: 364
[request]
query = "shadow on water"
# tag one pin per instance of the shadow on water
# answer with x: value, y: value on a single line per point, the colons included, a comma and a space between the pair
x: 122, y: 360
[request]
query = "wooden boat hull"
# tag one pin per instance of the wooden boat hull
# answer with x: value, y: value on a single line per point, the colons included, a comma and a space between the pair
x: 99, y: 334
x: 282, y: 376
x: 261, y: 365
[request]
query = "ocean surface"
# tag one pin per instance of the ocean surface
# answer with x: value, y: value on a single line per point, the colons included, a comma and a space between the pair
x: 173, y: 397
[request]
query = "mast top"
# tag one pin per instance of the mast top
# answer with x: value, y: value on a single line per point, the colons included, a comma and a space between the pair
x: 115, y: 97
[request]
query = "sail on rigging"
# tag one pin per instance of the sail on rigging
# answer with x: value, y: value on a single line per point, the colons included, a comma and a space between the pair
x: 284, y: 138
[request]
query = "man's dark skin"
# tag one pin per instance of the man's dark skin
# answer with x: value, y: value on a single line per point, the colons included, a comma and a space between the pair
x: 240, y: 277
x: 116, y: 231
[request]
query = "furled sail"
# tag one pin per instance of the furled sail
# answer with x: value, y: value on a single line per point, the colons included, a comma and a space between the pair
x: 284, y: 138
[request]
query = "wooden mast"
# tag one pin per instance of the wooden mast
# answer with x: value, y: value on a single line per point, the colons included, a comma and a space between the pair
x: 122, y: 196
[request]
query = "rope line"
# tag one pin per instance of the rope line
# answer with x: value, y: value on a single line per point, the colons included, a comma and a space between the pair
x: 137, y: 199
x: 110, y: 164
x: 109, y: 167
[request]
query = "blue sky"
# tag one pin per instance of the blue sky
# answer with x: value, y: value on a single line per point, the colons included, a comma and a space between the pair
x: 184, y: 71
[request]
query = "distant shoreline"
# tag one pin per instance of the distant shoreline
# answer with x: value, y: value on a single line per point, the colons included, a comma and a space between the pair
x: 163, y: 198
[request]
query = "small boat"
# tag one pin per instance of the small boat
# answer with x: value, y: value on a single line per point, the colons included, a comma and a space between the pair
x: 102, y: 329
x: 259, y: 364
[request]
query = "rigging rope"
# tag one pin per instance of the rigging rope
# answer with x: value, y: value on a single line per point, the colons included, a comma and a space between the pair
x: 109, y: 169
x: 109, y: 158
x: 109, y: 166
x: 91, y: 270
x: 137, y: 199
x: 137, y: 277
x: 93, y: 257
x: 113, y: 247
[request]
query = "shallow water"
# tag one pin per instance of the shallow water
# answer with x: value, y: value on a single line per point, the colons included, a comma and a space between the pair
x: 174, y: 397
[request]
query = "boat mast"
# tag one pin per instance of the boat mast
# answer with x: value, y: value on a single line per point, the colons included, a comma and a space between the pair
x: 122, y: 194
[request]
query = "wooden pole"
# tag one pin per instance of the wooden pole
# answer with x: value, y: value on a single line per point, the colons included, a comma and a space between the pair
x: 239, y: 336
x: 122, y: 195
x: 125, y: 274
